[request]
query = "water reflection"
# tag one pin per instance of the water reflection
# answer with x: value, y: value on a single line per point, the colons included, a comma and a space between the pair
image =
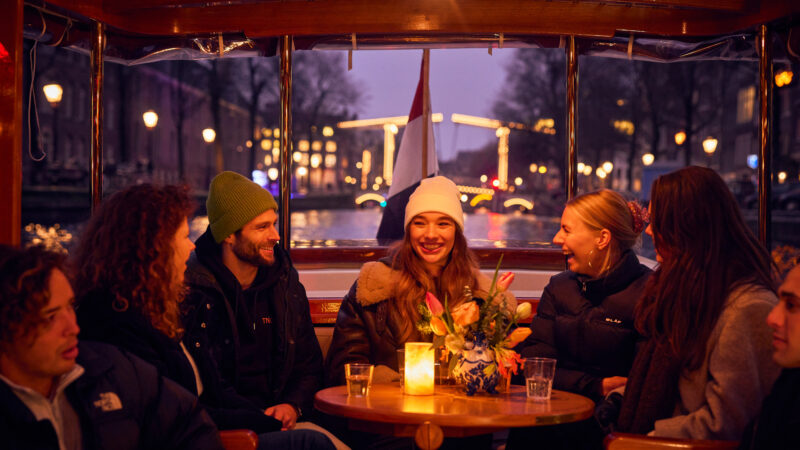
x: 357, y: 228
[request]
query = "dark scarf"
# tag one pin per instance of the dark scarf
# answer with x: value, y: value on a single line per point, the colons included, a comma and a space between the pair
x: 652, y: 389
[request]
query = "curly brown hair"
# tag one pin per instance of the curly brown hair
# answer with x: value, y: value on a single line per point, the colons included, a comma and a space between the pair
x: 415, y: 280
x: 24, y: 289
x: 126, y: 251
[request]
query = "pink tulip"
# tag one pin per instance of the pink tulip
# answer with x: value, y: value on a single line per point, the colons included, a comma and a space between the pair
x: 438, y: 326
x: 505, y: 281
x: 518, y: 336
x: 434, y: 306
x: 466, y: 313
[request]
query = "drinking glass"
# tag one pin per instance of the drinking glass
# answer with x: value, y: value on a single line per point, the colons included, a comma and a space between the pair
x: 359, y: 379
x: 539, y: 373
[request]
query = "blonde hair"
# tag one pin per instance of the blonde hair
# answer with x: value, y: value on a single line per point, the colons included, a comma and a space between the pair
x: 607, y: 209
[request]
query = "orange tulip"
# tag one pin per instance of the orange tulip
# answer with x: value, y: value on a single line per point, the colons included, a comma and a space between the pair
x: 518, y: 336
x: 466, y: 313
x: 438, y: 326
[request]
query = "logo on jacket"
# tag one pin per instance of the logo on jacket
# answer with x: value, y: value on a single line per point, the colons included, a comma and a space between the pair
x: 610, y: 320
x: 109, y: 401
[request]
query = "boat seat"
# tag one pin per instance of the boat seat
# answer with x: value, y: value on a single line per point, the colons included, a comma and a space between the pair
x: 628, y: 441
x: 238, y: 440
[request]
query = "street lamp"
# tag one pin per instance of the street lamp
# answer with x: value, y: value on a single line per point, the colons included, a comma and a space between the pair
x: 647, y: 159
x: 150, y: 119
x: 710, y: 146
x: 53, y: 93
x: 608, y: 166
x: 209, y: 136
x: 680, y: 137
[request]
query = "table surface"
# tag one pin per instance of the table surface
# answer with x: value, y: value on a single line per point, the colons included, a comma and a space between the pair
x: 450, y: 408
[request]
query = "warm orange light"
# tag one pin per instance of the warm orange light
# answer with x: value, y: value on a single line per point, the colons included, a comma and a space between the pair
x: 418, y: 378
x: 209, y: 135
x: 783, y: 78
x: 680, y: 137
x: 53, y: 93
x: 709, y: 145
x: 150, y: 119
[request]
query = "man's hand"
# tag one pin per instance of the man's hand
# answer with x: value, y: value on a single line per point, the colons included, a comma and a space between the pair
x: 285, y: 413
x: 611, y: 383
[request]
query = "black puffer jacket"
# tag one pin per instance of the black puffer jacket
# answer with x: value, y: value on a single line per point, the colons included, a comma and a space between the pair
x: 295, y: 357
x: 130, y: 331
x: 122, y: 403
x: 587, y: 325
x: 367, y: 328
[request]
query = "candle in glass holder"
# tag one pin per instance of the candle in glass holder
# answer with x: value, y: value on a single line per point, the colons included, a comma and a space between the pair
x: 419, y: 368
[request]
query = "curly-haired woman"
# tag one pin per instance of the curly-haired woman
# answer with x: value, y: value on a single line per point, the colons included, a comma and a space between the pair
x: 130, y: 266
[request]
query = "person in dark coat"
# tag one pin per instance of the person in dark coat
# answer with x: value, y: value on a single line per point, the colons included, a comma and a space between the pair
x: 247, y: 307
x: 132, y: 300
x: 776, y: 427
x: 585, y: 317
x: 57, y: 393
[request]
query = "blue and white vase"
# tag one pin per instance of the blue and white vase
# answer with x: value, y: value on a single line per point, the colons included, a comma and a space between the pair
x: 473, y: 361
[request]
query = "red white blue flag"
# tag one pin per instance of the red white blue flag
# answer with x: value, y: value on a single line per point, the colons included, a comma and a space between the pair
x: 407, y: 172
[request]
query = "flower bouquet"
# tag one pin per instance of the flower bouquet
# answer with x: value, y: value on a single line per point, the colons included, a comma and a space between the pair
x: 479, y: 332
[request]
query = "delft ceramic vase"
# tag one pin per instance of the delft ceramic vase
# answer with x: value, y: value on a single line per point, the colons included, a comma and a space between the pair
x: 475, y: 357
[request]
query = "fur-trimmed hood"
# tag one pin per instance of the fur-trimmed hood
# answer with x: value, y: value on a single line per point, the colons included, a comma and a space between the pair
x: 377, y: 282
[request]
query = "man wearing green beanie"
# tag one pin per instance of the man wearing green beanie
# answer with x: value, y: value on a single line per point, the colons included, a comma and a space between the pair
x: 246, y: 303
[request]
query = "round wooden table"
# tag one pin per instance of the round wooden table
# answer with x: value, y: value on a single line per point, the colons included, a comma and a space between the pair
x: 388, y: 411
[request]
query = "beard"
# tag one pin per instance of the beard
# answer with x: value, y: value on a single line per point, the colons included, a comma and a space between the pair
x: 250, y: 252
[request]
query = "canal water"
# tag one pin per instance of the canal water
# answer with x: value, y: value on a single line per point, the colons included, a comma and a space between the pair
x: 357, y: 228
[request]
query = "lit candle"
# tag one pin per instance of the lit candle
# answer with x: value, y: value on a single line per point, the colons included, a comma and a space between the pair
x: 419, y: 368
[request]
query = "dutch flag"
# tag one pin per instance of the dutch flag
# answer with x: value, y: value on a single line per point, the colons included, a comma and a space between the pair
x: 407, y: 172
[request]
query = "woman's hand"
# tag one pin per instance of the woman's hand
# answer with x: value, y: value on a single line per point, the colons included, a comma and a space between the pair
x: 611, y: 383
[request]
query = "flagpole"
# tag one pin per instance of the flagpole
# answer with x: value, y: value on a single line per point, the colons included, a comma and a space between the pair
x: 426, y: 109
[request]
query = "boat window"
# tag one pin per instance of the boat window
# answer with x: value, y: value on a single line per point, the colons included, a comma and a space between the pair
x: 182, y: 121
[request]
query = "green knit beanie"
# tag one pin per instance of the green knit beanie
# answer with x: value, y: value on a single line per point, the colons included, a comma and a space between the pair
x: 233, y: 200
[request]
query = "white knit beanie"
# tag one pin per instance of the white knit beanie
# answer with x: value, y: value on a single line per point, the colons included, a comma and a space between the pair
x: 437, y: 194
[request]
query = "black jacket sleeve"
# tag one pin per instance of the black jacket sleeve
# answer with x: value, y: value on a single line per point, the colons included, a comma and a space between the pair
x: 171, y: 417
x: 305, y: 377
x: 542, y: 343
x: 350, y: 342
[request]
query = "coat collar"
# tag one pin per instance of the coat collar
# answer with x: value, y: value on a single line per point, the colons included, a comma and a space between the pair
x: 620, y: 277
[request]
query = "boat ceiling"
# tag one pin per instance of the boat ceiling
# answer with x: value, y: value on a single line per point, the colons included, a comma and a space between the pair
x: 329, y: 17
x: 178, y: 29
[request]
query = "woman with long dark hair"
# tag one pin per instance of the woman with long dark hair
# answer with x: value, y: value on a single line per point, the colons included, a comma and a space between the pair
x: 130, y: 269
x: 380, y: 313
x: 706, y: 365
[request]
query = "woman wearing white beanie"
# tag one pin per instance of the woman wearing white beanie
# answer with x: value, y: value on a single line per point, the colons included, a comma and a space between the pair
x: 380, y: 313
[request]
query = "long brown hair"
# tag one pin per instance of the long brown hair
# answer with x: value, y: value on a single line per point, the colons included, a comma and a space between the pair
x: 415, y: 281
x: 126, y: 251
x: 708, y: 251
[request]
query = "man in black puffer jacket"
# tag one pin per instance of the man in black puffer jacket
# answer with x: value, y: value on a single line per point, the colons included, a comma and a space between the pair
x: 246, y: 304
